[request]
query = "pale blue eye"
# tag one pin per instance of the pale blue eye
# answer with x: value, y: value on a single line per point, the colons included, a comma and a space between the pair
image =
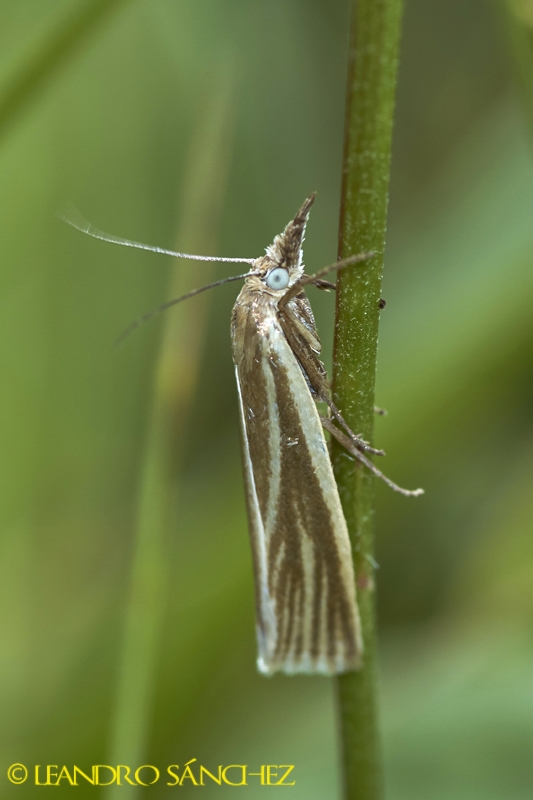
x: 278, y: 278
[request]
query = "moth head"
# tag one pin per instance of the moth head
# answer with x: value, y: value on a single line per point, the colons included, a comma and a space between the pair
x: 284, y: 256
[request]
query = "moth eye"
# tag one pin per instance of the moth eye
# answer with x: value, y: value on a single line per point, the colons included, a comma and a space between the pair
x: 278, y: 278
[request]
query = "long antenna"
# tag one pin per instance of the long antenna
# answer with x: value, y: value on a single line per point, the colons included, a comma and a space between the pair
x: 73, y: 218
x: 159, y: 309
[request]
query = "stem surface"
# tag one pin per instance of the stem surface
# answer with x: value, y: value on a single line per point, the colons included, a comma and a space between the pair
x: 373, y: 57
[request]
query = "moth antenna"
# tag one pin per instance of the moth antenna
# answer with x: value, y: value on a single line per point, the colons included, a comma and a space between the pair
x: 155, y: 311
x: 73, y: 218
x: 305, y: 280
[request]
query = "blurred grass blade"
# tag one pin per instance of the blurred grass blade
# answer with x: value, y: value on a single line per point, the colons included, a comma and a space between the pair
x: 174, y: 389
x: 63, y: 43
x: 374, y: 38
x: 518, y: 18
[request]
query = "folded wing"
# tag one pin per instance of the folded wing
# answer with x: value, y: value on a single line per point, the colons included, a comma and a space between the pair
x: 307, y: 617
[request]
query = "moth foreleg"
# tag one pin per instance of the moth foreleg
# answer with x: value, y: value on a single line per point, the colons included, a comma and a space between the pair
x: 349, y: 445
x: 324, y: 285
x: 305, y: 280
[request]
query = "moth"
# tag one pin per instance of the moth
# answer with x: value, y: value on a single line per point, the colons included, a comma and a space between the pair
x: 307, y: 619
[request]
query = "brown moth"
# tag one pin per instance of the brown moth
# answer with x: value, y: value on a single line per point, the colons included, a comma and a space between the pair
x: 307, y: 616
x: 306, y: 608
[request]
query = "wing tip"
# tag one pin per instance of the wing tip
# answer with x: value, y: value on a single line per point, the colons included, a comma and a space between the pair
x: 307, y: 664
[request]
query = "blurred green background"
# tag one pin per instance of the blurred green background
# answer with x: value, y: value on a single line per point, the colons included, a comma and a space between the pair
x: 125, y: 571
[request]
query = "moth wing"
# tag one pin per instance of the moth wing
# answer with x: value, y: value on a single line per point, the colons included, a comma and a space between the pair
x: 307, y: 616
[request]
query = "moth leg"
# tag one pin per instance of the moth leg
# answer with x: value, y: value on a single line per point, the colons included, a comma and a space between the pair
x: 297, y: 287
x: 324, y: 285
x: 348, y: 444
x: 357, y: 439
x: 360, y: 443
x: 381, y: 412
x: 313, y: 368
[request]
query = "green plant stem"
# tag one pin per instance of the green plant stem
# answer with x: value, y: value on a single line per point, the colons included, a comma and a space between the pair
x: 62, y: 43
x: 373, y: 55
